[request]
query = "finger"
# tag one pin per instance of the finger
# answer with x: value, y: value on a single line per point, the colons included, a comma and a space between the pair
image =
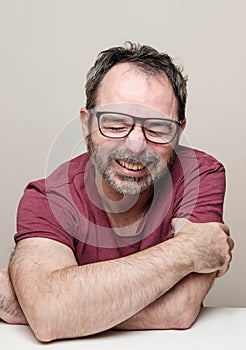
x: 225, y: 228
x: 231, y: 243
x: 222, y: 271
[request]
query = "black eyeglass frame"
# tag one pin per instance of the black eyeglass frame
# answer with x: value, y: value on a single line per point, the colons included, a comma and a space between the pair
x: 139, y: 119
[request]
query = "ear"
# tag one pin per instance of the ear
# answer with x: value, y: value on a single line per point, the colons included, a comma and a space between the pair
x: 181, y: 128
x: 84, y: 118
x: 183, y: 125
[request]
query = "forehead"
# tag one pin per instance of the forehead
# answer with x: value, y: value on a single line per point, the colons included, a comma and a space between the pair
x: 127, y: 83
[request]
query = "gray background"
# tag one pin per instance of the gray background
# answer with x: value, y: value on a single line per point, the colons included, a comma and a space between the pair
x: 46, y: 49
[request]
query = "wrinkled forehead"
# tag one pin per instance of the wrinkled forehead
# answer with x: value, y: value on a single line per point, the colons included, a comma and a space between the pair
x: 126, y: 83
x: 135, y: 109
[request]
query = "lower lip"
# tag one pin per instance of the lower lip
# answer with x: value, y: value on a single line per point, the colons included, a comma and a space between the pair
x: 127, y: 172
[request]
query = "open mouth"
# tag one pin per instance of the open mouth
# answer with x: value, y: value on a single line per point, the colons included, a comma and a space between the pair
x: 130, y: 165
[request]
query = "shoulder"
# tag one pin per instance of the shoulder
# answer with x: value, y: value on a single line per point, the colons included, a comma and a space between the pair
x: 49, y: 206
x: 67, y: 173
x: 63, y: 176
x: 197, y: 159
x: 192, y: 166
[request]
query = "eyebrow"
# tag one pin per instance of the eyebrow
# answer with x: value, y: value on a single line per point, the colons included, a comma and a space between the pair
x: 116, y: 119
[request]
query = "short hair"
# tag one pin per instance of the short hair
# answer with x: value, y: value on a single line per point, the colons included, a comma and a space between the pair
x: 144, y: 57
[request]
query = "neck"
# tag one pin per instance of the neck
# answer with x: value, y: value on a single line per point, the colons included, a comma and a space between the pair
x: 118, y: 205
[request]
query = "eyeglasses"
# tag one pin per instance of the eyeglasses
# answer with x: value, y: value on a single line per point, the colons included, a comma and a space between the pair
x: 117, y: 125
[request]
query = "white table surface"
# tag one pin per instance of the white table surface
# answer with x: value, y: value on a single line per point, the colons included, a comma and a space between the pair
x: 215, y: 329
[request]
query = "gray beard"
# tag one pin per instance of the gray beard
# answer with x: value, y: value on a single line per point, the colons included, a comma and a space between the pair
x: 124, y: 184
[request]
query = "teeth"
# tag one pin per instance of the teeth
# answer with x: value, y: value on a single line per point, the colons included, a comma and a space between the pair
x: 130, y: 166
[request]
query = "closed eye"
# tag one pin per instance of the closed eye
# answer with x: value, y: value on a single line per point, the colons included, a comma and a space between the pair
x: 162, y: 132
x: 116, y: 128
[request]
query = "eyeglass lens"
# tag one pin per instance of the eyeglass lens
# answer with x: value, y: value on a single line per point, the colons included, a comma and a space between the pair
x: 116, y: 125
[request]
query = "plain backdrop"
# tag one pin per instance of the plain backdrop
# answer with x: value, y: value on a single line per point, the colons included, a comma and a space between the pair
x: 47, y: 47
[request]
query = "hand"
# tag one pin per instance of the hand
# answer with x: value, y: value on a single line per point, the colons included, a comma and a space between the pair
x: 10, y: 310
x: 211, y: 244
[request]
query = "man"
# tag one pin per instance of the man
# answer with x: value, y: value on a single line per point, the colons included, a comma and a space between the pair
x: 130, y: 234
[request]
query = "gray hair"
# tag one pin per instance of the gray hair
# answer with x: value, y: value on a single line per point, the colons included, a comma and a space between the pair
x: 144, y: 57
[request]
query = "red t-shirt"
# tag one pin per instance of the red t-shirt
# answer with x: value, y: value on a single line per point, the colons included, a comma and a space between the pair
x: 66, y: 207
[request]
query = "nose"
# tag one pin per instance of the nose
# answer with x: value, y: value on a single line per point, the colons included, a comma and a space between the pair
x: 135, y: 141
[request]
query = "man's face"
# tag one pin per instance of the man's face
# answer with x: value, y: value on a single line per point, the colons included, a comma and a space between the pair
x: 132, y: 164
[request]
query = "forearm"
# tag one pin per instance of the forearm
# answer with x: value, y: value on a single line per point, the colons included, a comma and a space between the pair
x: 10, y: 310
x: 62, y: 300
x: 177, y: 309
x: 82, y: 300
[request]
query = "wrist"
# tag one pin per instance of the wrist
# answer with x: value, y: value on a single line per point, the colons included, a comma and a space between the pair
x: 182, y: 246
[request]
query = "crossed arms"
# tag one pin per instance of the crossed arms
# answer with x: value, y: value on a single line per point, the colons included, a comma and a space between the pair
x: 160, y: 287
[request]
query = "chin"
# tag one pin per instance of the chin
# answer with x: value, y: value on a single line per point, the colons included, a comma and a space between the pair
x: 129, y: 186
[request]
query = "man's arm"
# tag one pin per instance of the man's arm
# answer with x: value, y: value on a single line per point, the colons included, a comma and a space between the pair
x: 63, y: 300
x: 180, y: 306
x: 10, y: 310
x: 177, y: 309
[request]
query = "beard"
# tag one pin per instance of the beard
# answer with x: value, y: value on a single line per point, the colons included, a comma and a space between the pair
x: 129, y: 185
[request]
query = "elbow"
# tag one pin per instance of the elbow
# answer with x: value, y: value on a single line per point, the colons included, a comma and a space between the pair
x: 42, y: 336
x: 42, y: 330
x: 185, y: 319
x: 48, y: 325
x: 183, y: 323
x: 42, y: 324
x: 45, y: 331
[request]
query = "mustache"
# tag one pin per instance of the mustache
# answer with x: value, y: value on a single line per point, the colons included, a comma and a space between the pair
x: 144, y: 158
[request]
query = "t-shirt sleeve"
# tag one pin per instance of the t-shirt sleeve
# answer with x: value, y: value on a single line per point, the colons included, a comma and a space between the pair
x: 40, y: 215
x: 200, y: 196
